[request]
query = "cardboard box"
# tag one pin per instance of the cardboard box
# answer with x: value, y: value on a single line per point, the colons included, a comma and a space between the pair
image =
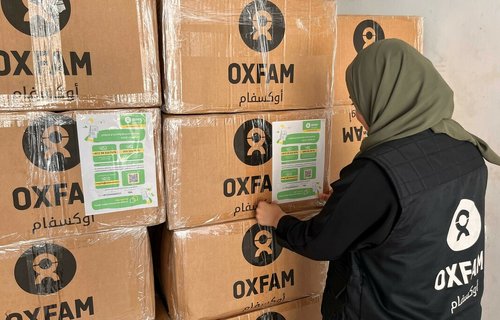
x: 307, y: 308
x: 79, y: 171
x: 244, y: 55
x: 216, y: 173
x: 219, y: 271
x: 347, y: 134
x: 78, y: 55
x: 106, y: 275
x: 357, y: 32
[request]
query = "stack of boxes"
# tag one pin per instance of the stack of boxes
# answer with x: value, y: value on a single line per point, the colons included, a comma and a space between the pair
x: 80, y: 186
x: 233, y: 69
x: 354, y: 34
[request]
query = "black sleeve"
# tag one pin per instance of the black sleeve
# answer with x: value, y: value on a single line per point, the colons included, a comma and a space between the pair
x: 360, y: 213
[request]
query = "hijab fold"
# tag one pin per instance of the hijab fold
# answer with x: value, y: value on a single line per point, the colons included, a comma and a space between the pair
x: 400, y: 93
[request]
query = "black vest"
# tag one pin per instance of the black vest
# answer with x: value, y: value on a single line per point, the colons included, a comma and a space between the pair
x: 431, y: 266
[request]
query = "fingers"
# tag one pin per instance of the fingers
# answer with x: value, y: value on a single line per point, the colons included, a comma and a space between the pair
x: 263, y: 212
x: 324, y: 196
x: 263, y: 205
x: 260, y: 211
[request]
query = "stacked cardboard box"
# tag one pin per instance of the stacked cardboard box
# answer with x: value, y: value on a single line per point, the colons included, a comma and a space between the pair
x: 307, y: 308
x: 104, y: 275
x: 243, y: 261
x: 210, y: 176
x: 79, y: 187
x: 232, y: 70
x: 79, y: 171
x: 357, y: 32
x: 354, y: 34
x: 244, y: 55
x: 347, y: 134
x: 84, y: 55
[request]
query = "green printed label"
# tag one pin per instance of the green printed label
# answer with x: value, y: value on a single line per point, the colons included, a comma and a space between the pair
x: 104, y: 153
x: 106, y: 180
x: 299, y: 138
x: 133, y: 177
x: 312, y: 125
x: 289, y: 153
x: 308, y: 151
x: 298, y: 178
x: 113, y: 135
x: 308, y: 173
x: 133, y: 120
x: 296, y: 194
x: 289, y: 175
x: 118, y: 161
x: 118, y: 202
x: 131, y: 151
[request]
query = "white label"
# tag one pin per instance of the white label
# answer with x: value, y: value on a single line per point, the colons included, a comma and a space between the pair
x: 298, y: 159
x: 465, y: 226
x: 117, y: 161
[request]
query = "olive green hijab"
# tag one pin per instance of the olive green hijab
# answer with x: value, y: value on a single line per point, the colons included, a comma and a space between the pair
x: 400, y: 93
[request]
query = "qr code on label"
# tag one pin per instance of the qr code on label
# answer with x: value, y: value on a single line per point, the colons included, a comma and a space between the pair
x: 133, y: 178
x: 308, y: 173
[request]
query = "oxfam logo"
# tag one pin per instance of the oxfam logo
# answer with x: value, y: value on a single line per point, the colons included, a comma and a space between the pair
x: 45, y: 269
x: 37, y: 18
x: 271, y: 316
x: 262, y: 25
x: 367, y: 33
x: 252, y: 142
x: 260, y: 246
x: 51, y: 143
x: 466, y: 226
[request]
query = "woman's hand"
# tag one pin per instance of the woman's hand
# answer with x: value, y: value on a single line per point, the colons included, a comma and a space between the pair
x: 325, y: 196
x: 268, y: 214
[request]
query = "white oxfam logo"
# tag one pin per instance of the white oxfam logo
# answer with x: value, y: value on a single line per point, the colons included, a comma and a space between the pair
x: 465, y: 226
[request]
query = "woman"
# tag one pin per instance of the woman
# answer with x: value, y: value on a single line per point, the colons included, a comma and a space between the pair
x: 407, y: 215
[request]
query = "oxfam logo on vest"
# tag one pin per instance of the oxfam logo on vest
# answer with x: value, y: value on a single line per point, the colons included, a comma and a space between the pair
x: 367, y: 33
x: 45, y: 269
x: 271, y: 316
x: 465, y: 227
x: 51, y: 143
x: 37, y: 18
x: 262, y: 25
x: 252, y: 142
x: 260, y: 246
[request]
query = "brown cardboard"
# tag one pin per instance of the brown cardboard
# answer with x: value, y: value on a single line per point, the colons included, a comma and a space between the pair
x: 38, y: 202
x: 108, y: 49
x: 350, y: 39
x: 204, y: 175
x: 160, y: 310
x: 307, y: 308
x: 205, y: 55
x: 105, y: 275
x: 219, y: 271
x: 347, y: 134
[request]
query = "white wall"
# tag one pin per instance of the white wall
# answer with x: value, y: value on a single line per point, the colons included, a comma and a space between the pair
x: 462, y: 39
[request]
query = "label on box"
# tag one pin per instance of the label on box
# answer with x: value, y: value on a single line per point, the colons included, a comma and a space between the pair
x: 117, y: 161
x: 298, y: 159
